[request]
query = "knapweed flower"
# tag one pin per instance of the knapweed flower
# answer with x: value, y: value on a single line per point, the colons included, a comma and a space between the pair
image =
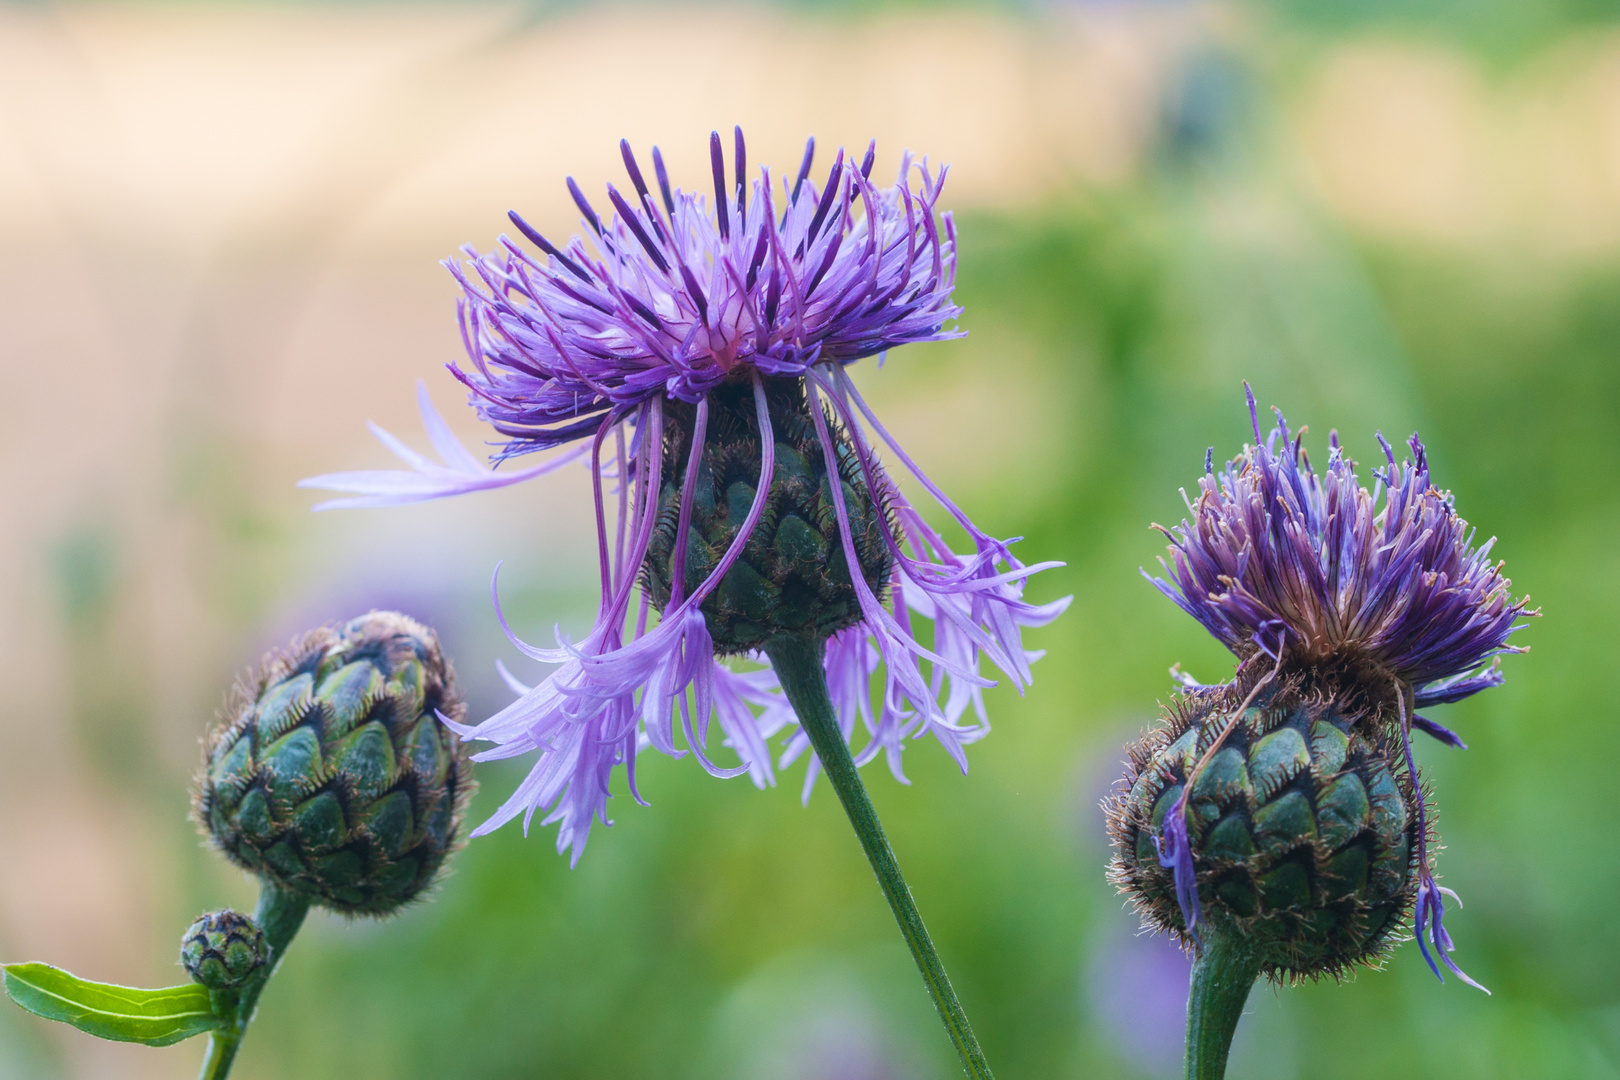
x: 694, y: 353
x: 1288, y: 800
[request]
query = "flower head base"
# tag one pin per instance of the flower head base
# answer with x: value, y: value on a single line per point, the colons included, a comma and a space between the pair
x: 792, y: 576
x: 1312, y: 571
x: 696, y: 354
x: 1299, y: 833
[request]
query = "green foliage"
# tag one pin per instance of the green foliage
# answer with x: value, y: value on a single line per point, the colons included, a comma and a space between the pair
x: 120, y: 1013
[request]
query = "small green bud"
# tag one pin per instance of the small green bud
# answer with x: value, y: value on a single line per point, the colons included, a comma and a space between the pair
x: 792, y: 575
x: 330, y: 773
x: 1302, y: 827
x: 223, y: 949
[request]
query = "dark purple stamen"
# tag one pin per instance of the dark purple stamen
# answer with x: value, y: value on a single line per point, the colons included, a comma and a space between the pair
x: 804, y: 169
x: 644, y: 311
x: 632, y: 168
x: 1448, y: 690
x: 546, y: 336
x: 867, y: 161
x: 1389, y: 451
x: 697, y: 293
x: 640, y: 183
x: 741, y: 165
x: 826, y: 198
x: 717, y: 162
x: 773, y: 295
x: 826, y: 263
x: 584, y: 207
x: 663, y: 182
x: 631, y: 219
x: 758, y: 259
x: 568, y: 290
x: 547, y: 246
x: 1209, y: 462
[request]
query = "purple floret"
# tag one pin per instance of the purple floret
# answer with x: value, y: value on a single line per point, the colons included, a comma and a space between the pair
x: 1314, y: 569
x: 673, y: 295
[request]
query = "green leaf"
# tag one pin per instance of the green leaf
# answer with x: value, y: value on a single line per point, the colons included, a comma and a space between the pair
x: 120, y: 1013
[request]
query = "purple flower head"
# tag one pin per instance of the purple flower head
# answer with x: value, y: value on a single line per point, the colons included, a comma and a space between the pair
x: 673, y: 296
x: 1317, y: 570
x: 1321, y: 580
x: 676, y: 322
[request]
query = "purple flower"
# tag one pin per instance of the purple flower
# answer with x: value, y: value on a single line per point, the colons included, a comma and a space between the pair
x: 598, y: 345
x: 1382, y: 588
x: 1319, y: 570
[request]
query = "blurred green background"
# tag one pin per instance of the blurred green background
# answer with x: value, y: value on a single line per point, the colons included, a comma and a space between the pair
x: 1383, y: 218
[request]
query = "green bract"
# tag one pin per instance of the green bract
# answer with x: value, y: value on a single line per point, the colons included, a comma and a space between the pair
x: 1302, y: 825
x: 330, y: 774
x: 792, y: 575
x: 223, y: 949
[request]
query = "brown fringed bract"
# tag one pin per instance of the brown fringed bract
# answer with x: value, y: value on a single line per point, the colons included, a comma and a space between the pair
x: 1302, y: 825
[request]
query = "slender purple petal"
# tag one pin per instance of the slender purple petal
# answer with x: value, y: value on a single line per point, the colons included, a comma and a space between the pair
x: 457, y: 473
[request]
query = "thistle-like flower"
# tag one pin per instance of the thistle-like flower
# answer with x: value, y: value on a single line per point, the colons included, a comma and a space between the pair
x: 694, y: 353
x: 1285, y: 807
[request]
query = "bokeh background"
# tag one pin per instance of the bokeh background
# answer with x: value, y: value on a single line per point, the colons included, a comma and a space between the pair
x: 219, y: 226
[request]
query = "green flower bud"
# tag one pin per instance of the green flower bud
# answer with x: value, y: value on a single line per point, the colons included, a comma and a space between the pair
x: 223, y: 949
x: 330, y: 774
x: 1302, y: 827
x: 792, y: 575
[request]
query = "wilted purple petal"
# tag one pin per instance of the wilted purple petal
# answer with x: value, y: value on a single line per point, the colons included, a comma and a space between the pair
x: 1175, y: 855
x: 1290, y: 562
x: 1439, y: 731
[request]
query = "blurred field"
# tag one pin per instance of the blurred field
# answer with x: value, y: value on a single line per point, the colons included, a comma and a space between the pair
x: 220, y: 224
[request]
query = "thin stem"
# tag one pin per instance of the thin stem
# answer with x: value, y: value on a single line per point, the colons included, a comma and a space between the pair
x: 222, y: 1046
x: 798, y: 664
x: 280, y: 913
x: 1222, y: 976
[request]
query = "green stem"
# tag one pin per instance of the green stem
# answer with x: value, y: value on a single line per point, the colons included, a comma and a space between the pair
x: 1222, y: 976
x: 798, y: 664
x: 280, y: 913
